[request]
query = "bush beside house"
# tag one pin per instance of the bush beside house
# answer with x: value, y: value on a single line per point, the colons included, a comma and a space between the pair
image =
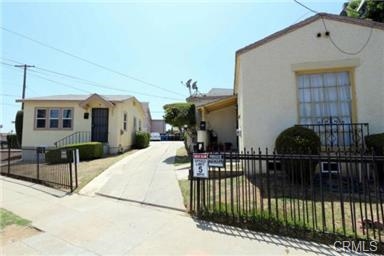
x: 302, y: 141
x: 12, y: 141
x: 87, y: 151
x: 142, y: 139
x: 375, y: 142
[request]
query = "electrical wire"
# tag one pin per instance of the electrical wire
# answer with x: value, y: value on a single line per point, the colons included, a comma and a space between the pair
x: 89, y: 62
x: 330, y: 36
x: 90, y: 83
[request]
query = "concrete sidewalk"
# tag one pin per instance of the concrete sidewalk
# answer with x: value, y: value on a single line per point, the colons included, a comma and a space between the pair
x: 82, y: 225
x: 148, y: 176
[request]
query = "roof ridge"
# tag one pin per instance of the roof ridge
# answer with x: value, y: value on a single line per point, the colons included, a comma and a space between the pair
x: 345, y: 19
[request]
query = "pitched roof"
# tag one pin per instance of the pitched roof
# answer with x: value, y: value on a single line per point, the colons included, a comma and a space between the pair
x: 345, y: 19
x: 219, y: 92
x: 76, y: 97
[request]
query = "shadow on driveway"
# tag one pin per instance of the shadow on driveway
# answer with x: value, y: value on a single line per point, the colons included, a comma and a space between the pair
x: 267, y: 238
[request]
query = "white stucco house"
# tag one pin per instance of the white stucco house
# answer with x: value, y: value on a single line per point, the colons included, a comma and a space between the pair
x: 58, y: 120
x: 325, y: 67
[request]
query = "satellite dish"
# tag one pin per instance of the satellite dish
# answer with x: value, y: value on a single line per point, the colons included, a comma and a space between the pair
x: 194, y: 85
x: 188, y: 83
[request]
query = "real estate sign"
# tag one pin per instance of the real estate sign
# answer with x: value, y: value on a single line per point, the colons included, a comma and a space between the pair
x: 216, y: 160
x: 200, y: 165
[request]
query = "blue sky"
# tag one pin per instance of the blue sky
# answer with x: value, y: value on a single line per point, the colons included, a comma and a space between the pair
x: 157, y: 42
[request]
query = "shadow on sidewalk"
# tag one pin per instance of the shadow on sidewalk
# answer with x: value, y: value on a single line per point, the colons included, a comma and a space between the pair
x: 287, y: 242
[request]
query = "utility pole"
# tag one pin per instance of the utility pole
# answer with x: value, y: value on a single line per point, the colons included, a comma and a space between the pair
x: 25, y: 66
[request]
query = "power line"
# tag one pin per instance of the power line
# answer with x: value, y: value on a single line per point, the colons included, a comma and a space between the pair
x: 95, y: 84
x: 60, y: 83
x: 330, y: 36
x: 8, y: 95
x: 89, y: 62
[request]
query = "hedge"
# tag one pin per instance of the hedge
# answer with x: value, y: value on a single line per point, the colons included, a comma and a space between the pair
x: 12, y: 141
x: 142, y: 139
x: 298, y: 140
x: 375, y: 142
x: 87, y: 151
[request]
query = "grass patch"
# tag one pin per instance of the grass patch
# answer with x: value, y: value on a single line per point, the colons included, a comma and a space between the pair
x: 182, y: 156
x: 185, y: 187
x: 8, y: 218
x: 88, y: 170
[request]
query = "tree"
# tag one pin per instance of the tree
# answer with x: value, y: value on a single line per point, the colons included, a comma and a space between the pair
x: 19, y: 126
x: 366, y: 9
x: 182, y: 116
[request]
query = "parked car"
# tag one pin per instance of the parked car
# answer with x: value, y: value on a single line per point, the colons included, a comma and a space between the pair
x: 155, y: 136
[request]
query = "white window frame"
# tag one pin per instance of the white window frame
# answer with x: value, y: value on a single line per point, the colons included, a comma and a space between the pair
x: 47, y: 119
x: 63, y: 118
x: 50, y: 118
x: 37, y: 118
x: 316, y: 99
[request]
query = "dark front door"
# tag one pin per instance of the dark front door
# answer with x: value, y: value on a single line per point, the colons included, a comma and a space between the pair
x: 100, y: 124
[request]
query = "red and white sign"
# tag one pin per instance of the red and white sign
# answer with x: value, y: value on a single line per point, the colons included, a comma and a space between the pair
x: 200, y: 165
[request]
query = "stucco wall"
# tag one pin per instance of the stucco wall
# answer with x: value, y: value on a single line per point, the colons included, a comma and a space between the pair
x: 158, y: 126
x: 223, y: 123
x: 267, y: 91
x: 37, y: 137
x: 117, y: 137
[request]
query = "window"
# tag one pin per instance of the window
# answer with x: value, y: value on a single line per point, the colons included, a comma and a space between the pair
x: 125, y: 122
x: 323, y: 96
x: 139, y: 125
x: 53, y: 118
x: 41, y: 118
x: 67, y: 118
x: 134, y: 124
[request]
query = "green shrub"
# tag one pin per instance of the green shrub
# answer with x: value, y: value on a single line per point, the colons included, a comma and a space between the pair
x: 298, y: 140
x: 87, y: 151
x: 142, y: 139
x: 375, y: 142
x: 12, y: 141
x: 19, y: 126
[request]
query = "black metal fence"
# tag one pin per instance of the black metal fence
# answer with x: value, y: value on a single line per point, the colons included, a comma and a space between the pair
x: 337, y: 135
x: 334, y: 193
x: 61, y: 176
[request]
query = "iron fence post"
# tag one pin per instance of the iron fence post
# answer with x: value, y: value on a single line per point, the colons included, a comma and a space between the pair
x: 75, y: 162
x: 191, y: 187
x: 9, y: 158
x: 38, y: 164
x: 70, y: 172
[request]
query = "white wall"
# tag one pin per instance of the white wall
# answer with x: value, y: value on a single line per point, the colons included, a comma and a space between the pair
x: 267, y: 93
x: 223, y: 123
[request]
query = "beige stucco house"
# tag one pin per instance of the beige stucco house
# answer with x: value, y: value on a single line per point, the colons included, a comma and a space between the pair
x: 65, y: 119
x: 325, y: 66
x: 218, y: 110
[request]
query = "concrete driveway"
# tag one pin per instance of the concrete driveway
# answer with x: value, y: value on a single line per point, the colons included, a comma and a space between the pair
x: 147, y: 176
x: 82, y: 225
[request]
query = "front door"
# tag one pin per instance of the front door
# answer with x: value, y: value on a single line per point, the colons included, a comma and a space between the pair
x: 100, y: 124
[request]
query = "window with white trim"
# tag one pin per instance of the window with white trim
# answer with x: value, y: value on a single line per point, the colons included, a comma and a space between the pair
x: 53, y: 118
x: 41, y: 118
x: 67, y: 118
x: 324, y: 95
